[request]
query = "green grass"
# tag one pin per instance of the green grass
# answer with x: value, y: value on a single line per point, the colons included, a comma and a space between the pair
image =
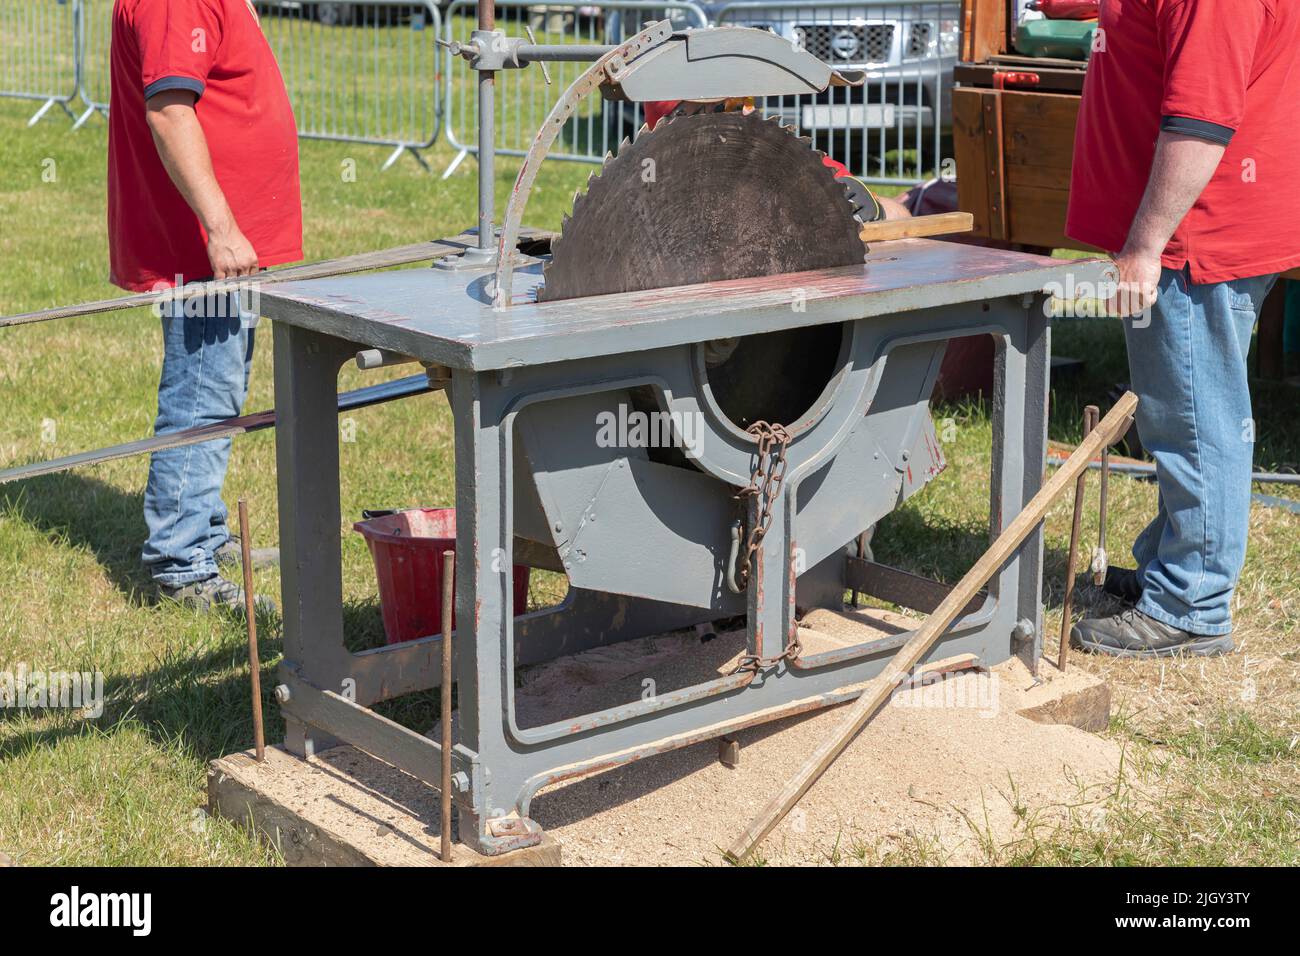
x: 124, y: 788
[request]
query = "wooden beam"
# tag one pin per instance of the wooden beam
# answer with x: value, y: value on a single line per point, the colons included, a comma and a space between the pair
x: 883, y: 684
x: 940, y: 224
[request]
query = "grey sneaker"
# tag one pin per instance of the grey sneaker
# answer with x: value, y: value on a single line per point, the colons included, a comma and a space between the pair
x: 1134, y: 634
x: 229, y: 555
x: 215, y: 593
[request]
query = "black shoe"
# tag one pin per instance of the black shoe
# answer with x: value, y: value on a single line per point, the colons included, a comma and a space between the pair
x: 230, y: 554
x: 214, y: 593
x: 1123, y: 583
x: 1133, y: 634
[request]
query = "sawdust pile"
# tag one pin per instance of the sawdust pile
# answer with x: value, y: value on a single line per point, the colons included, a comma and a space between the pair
x: 942, y: 773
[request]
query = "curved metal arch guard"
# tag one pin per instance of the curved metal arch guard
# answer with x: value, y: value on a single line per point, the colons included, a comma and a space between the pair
x: 609, y: 64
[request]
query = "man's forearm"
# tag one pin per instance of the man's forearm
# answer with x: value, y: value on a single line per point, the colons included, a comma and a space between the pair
x: 1182, y: 168
x: 183, y: 149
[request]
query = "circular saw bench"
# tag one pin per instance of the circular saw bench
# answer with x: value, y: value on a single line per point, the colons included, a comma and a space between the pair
x: 692, y: 403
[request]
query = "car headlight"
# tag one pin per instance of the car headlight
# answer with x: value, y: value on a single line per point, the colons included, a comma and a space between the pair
x: 949, y: 37
x: 930, y: 39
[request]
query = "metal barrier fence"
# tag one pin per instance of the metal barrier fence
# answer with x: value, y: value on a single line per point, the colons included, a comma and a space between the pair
x: 93, y: 55
x: 38, y: 53
x: 891, y: 129
x: 523, y: 99
x: 369, y: 71
x: 363, y: 72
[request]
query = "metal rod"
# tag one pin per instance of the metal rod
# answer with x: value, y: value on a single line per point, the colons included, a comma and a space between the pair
x: 486, y: 135
x: 1100, y: 559
x: 254, y: 663
x: 1090, y: 417
x: 561, y: 53
x: 244, y: 424
x: 444, y: 693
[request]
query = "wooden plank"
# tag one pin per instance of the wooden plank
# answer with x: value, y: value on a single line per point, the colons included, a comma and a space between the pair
x: 1036, y: 108
x: 995, y: 136
x: 880, y: 687
x: 1043, y: 177
x: 970, y: 150
x: 1037, y: 216
x: 984, y: 29
x: 918, y: 227
x: 1026, y: 144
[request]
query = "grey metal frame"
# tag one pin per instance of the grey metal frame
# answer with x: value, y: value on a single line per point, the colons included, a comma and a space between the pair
x: 499, y: 765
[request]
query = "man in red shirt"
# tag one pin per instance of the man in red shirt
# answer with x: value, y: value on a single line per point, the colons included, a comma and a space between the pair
x: 1182, y: 170
x: 202, y: 183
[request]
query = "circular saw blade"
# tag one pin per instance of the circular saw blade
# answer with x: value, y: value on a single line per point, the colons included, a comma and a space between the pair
x: 700, y: 198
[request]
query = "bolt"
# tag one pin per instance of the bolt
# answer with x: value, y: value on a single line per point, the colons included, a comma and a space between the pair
x: 282, y: 694
x: 1024, y: 629
x: 460, y: 781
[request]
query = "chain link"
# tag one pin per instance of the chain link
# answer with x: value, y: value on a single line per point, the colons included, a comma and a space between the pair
x: 755, y: 663
x: 764, y: 484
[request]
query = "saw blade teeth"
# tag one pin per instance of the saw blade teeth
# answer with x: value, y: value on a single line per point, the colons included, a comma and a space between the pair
x: 585, y: 230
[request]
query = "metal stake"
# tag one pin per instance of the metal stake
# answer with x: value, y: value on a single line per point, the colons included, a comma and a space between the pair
x: 444, y: 692
x: 1091, y: 414
x: 255, y: 666
x: 1100, y: 559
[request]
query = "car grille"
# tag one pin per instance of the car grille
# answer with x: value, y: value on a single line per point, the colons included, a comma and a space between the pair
x: 918, y: 39
x: 847, y: 43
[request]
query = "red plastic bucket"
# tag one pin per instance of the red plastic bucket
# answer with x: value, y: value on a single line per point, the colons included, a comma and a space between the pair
x: 407, y: 549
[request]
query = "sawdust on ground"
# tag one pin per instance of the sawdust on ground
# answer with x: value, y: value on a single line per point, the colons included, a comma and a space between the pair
x: 946, y: 768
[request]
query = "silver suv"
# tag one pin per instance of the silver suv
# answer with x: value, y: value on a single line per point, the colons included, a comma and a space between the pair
x: 907, y: 51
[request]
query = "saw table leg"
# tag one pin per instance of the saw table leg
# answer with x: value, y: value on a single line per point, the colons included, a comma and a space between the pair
x: 483, y: 612
x: 1020, y: 395
x: 771, y: 591
x: 307, y: 460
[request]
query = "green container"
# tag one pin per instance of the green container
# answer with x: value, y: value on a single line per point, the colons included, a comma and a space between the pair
x: 1066, y: 39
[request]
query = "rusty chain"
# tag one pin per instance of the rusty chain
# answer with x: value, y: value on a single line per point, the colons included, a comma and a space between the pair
x: 755, y: 663
x: 764, y: 484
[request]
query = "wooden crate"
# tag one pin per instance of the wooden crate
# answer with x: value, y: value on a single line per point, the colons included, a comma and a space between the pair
x: 1013, y: 151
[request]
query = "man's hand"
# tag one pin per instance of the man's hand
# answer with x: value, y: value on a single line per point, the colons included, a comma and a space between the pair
x: 1139, y: 280
x: 1181, y: 168
x: 231, y: 254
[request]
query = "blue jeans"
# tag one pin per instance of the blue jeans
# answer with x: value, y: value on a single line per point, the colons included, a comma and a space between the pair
x: 206, y: 362
x: 1187, y: 362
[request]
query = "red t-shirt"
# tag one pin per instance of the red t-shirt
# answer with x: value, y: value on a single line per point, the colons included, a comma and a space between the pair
x: 216, y: 49
x: 1225, y: 70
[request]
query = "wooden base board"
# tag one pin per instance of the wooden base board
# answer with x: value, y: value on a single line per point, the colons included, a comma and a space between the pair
x: 1074, y: 697
x: 344, y: 808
